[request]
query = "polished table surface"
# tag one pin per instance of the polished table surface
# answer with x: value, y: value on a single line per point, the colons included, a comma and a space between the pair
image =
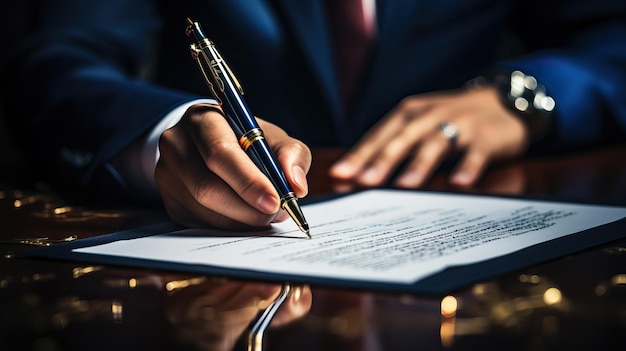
x: 577, y: 302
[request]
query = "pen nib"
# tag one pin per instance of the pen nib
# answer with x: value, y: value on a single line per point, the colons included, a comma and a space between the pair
x: 290, y: 204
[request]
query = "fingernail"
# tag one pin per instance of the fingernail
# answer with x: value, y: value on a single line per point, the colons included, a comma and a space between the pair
x: 342, y: 168
x: 267, y: 290
x: 267, y: 203
x: 409, y: 179
x: 342, y: 188
x: 299, y: 177
x: 281, y: 216
x: 371, y: 175
x: 461, y: 178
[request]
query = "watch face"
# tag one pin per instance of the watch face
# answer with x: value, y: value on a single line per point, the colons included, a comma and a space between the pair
x: 525, y: 97
x: 527, y: 94
x: 529, y: 99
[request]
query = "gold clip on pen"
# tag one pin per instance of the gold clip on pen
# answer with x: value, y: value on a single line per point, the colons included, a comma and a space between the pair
x: 226, y: 89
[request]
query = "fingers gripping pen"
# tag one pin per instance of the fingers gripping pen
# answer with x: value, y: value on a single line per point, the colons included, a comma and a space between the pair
x: 226, y: 89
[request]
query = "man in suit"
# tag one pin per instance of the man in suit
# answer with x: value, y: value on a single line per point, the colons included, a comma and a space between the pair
x: 93, y: 91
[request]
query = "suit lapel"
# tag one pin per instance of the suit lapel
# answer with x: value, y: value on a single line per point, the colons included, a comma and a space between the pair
x: 393, y: 16
x: 307, y: 19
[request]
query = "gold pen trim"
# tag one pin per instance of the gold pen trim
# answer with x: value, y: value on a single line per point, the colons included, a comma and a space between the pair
x: 203, y: 63
x: 250, y: 137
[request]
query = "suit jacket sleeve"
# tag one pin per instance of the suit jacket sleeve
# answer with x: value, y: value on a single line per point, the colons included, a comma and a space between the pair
x: 79, y: 87
x: 577, y: 49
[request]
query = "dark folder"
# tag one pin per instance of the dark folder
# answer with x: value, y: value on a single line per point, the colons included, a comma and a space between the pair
x: 446, y: 281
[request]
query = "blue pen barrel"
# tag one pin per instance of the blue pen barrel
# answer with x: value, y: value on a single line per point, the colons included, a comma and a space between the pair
x: 261, y: 154
x: 259, y: 151
x: 228, y: 93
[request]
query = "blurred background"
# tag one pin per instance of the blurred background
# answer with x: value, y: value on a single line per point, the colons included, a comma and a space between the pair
x: 17, y: 18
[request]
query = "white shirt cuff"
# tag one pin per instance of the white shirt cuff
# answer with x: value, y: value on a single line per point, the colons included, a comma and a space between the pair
x: 143, y: 178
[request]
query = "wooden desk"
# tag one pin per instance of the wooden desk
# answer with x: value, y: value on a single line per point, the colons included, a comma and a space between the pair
x: 573, y: 303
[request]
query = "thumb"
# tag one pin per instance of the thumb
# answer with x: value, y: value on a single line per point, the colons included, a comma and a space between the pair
x: 293, y: 156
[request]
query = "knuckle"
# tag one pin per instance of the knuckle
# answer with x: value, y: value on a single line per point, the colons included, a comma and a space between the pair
x: 167, y: 137
x: 406, y: 103
x: 302, y: 149
x: 218, y: 152
x: 203, y: 192
x: 159, y: 176
x: 395, y: 148
x: 248, y: 189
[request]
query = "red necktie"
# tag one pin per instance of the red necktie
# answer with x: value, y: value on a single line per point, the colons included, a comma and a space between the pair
x: 351, y: 41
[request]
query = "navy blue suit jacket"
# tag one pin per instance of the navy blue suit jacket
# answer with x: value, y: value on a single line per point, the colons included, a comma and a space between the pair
x: 98, y: 74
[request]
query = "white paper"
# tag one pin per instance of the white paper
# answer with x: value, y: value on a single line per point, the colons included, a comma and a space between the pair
x: 390, y: 236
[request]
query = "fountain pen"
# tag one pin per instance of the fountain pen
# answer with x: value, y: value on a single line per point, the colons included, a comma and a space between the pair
x: 228, y: 93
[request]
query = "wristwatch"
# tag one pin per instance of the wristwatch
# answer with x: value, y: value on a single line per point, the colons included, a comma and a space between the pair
x: 523, y: 95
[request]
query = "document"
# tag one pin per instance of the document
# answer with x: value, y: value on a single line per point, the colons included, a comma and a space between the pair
x: 388, y: 236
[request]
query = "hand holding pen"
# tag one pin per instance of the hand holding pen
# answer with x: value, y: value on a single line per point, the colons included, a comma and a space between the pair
x: 206, y: 178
